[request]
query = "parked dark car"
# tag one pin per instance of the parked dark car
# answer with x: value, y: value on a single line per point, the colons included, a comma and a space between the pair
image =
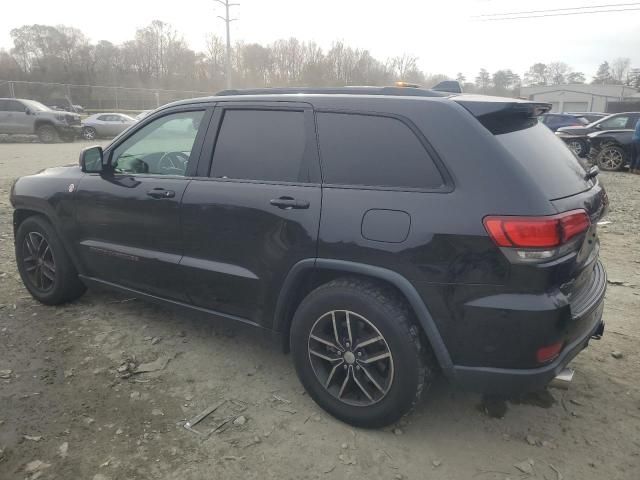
x: 554, y: 121
x: 611, y: 150
x: 384, y: 234
x: 576, y: 137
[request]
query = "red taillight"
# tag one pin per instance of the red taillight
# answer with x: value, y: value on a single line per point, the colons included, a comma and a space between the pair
x: 548, y: 353
x: 537, y: 232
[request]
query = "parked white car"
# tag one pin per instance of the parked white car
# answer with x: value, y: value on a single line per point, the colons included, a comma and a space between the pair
x: 105, y: 125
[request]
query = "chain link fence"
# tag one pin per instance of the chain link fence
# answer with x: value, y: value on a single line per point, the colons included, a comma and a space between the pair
x: 94, y: 98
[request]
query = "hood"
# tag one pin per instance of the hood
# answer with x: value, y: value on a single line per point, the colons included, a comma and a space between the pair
x: 61, y: 171
x: 576, y: 130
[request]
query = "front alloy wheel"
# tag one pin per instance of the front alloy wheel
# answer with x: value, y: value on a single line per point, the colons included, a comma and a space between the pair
x: 89, y: 133
x: 38, y: 262
x: 350, y: 358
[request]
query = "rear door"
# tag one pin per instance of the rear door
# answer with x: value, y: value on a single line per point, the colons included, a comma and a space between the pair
x: 255, y: 213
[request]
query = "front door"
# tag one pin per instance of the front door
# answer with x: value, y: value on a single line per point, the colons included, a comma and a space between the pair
x: 128, y: 219
x: 256, y: 213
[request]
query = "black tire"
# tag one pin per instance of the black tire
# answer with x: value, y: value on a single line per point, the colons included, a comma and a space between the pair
x: 611, y: 158
x: 49, y: 286
x: 89, y: 133
x: 578, y: 147
x: 408, y: 371
x: 47, y: 133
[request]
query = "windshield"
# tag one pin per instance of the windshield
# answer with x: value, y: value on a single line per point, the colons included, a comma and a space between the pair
x: 36, y: 106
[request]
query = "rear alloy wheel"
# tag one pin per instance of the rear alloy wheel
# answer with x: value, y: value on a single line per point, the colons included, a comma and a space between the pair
x: 43, y: 263
x: 578, y: 147
x: 356, y: 373
x: 358, y: 353
x: 611, y: 158
x: 47, y: 134
x: 89, y: 133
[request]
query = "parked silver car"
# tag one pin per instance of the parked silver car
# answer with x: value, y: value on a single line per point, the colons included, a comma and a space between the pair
x: 106, y: 125
x: 19, y: 116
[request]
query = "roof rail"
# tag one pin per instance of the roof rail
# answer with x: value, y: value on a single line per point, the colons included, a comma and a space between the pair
x: 364, y: 90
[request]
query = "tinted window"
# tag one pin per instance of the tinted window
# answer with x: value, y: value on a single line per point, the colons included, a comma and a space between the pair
x: 104, y: 118
x: 163, y: 147
x: 13, y: 106
x: 547, y: 160
x: 375, y: 151
x: 261, y: 145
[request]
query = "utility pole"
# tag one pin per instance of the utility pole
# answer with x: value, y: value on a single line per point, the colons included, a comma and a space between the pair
x: 227, y: 20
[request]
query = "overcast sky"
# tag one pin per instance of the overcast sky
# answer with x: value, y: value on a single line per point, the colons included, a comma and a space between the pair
x: 443, y: 34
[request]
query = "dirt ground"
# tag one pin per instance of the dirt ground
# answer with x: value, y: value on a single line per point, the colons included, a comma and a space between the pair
x: 68, y: 412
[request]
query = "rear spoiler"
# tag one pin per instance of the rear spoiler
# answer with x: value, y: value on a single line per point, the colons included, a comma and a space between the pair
x: 503, y: 115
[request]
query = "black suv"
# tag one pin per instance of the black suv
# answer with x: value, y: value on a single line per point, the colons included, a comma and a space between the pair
x: 384, y: 233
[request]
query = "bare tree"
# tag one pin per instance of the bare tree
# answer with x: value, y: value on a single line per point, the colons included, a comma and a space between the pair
x: 620, y: 69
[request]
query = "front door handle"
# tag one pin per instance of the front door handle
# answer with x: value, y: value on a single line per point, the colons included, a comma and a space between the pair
x: 161, y: 193
x: 289, y: 203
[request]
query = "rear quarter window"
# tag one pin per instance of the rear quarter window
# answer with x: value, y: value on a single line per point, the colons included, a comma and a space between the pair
x: 371, y: 150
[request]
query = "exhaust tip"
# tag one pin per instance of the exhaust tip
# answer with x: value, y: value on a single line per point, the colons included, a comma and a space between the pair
x: 563, y: 379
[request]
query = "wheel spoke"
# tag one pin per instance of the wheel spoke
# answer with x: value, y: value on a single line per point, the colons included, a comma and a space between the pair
x: 50, y: 266
x: 48, y: 274
x: 324, y: 357
x: 31, y: 268
x: 349, y: 329
x: 335, y: 329
x: 29, y: 243
x: 382, y: 356
x: 370, y: 377
x: 355, y: 379
x: 323, y: 341
x: 331, y: 374
x: 344, y: 384
x: 375, y: 339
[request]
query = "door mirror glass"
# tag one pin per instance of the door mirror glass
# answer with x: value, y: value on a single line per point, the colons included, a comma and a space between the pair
x: 91, y: 160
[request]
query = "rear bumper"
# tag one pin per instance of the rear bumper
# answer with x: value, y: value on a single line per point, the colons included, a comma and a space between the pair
x: 588, y: 313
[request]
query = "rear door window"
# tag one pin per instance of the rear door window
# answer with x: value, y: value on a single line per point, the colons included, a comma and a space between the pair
x: 547, y: 160
x: 266, y: 145
x: 371, y: 150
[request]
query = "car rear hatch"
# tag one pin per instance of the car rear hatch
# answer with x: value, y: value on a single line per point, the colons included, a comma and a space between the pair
x: 572, y: 267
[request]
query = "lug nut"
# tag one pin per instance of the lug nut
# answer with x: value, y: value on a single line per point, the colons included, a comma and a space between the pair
x: 359, y: 354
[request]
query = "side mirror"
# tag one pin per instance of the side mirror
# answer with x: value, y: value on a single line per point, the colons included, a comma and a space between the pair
x: 598, y: 127
x: 28, y: 111
x: 91, y: 160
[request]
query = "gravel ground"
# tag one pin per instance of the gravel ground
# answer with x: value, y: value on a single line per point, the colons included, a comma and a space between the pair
x: 68, y: 412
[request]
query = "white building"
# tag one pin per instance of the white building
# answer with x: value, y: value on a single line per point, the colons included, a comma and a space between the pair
x: 579, y: 97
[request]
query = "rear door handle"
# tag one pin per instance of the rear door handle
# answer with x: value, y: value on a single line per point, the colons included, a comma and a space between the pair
x: 289, y: 203
x: 161, y: 193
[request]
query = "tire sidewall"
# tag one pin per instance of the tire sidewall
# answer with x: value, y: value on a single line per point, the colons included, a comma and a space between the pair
x: 46, y: 128
x: 407, y: 373
x: 64, y: 269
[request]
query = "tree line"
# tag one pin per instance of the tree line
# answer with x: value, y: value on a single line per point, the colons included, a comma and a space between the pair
x: 159, y: 57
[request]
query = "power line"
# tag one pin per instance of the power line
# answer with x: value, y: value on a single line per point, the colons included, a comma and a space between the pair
x: 559, y: 14
x: 584, y: 7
